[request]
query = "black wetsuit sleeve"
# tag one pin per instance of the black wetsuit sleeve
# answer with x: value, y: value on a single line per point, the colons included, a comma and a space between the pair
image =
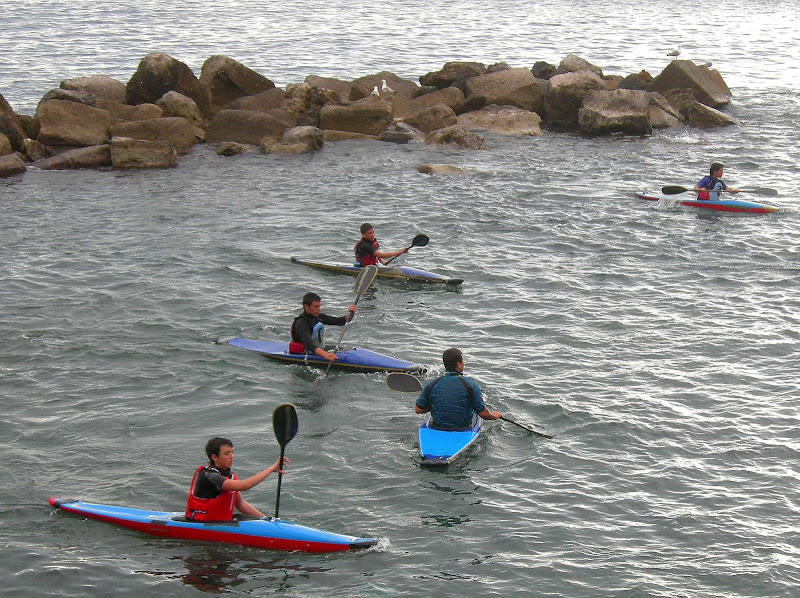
x: 332, y: 321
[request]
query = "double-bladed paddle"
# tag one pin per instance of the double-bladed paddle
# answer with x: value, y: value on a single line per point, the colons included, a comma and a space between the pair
x: 402, y: 382
x: 418, y: 241
x: 675, y: 189
x: 284, y: 422
x: 360, y: 286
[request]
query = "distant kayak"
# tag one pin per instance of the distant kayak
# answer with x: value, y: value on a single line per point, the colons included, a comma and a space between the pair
x: 353, y: 360
x: 401, y: 273
x: 243, y: 529
x: 440, y: 447
x: 719, y: 205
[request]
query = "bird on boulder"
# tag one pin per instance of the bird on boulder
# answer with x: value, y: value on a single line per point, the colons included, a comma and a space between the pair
x: 386, y: 88
x: 375, y: 91
x: 675, y: 53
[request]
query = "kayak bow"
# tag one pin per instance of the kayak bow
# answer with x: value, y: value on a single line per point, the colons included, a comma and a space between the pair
x: 270, y: 533
x: 397, y: 273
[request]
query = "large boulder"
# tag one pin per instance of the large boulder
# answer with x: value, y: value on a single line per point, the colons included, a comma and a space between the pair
x: 100, y: 86
x: 81, y: 97
x: 572, y: 64
x: 565, y: 96
x: 340, y: 88
x: 543, y: 70
x: 400, y: 133
x: 368, y: 117
x: 502, y: 120
x: 663, y: 114
x: 95, y: 156
x: 36, y: 150
x: 10, y: 165
x: 243, y: 126
x: 261, y: 102
x: 457, y: 137
x: 452, y: 72
x: 430, y: 119
x: 178, y: 132
x: 159, y: 73
x: 709, y: 89
x: 449, y: 96
x: 173, y: 103
x: 333, y: 135
x: 619, y: 111
x: 295, y: 141
x: 121, y: 113
x: 681, y: 99
x: 229, y: 80
x: 4, y: 105
x: 638, y: 81
x: 305, y: 102
x: 10, y: 127
x: 704, y: 116
x: 72, y: 124
x: 362, y: 87
x: 5, y: 145
x: 508, y: 87
x: 140, y: 153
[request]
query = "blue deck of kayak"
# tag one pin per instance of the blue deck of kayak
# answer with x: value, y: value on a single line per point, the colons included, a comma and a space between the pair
x: 439, y: 447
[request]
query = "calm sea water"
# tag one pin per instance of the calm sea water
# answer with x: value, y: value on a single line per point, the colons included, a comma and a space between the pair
x: 658, y: 344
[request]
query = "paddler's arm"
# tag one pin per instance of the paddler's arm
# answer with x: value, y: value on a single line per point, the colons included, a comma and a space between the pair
x: 486, y: 414
x: 382, y: 255
x: 253, y: 480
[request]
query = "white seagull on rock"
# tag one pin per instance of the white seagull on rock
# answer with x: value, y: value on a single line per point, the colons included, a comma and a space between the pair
x: 375, y: 91
x: 675, y: 53
x: 385, y: 87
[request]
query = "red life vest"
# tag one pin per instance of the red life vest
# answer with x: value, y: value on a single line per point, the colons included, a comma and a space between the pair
x: 703, y: 195
x: 210, y: 509
x: 366, y: 259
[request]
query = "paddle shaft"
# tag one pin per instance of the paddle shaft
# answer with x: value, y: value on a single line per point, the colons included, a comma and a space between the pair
x: 531, y: 430
x: 676, y: 189
x: 280, y: 478
x: 418, y: 241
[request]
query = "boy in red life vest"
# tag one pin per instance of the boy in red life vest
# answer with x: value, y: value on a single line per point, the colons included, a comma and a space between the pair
x: 216, y: 490
x: 366, y: 249
x: 709, y: 186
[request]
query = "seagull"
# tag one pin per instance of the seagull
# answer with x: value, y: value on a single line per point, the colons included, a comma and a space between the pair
x: 375, y: 91
x: 385, y: 87
x: 675, y: 53
x: 706, y: 64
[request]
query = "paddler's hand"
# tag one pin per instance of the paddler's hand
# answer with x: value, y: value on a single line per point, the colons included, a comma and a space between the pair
x: 276, y: 467
x: 328, y: 355
x: 405, y: 249
x: 496, y: 415
x: 733, y: 190
x: 352, y: 312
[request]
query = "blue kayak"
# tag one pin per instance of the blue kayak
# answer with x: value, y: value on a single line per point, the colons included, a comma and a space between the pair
x: 353, y: 360
x: 719, y: 205
x: 439, y: 447
x: 400, y: 273
x: 243, y: 529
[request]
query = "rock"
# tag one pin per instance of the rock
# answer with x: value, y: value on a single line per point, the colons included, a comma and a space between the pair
x: 543, y: 70
x: 337, y: 86
x: 229, y: 80
x: 243, y: 126
x: 573, y: 64
x: 565, y: 96
x: 296, y: 141
x: 620, y: 111
x: 502, y: 120
x: 685, y: 74
x: 497, y: 67
x: 10, y: 127
x: 121, y: 113
x: 452, y: 72
x: 72, y: 124
x: 450, y: 96
x: 36, y: 151
x: 368, y: 116
x: 140, y: 153
x: 362, y: 88
x: 442, y: 169
x: 95, y: 156
x: 472, y: 103
x: 662, y: 113
x: 100, y: 86
x: 176, y: 104
x: 637, y: 81
x: 159, y: 73
x: 28, y: 124
x: 509, y: 87
x: 176, y: 131
x: 301, y: 97
x: 681, y: 99
x: 401, y: 132
x: 430, y: 119
x: 231, y: 148
x: 10, y: 165
x: 261, y: 102
x: 457, y: 137
x: 80, y: 97
x: 4, y: 105
x: 5, y: 146
x: 332, y: 135
x: 704, y: 116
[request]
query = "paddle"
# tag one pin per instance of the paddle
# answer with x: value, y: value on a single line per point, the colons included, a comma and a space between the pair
x: 675, y: 189
x: 284, y: 422
x: 402, y: 382
x: 360, y: 286
x: 418, y: 241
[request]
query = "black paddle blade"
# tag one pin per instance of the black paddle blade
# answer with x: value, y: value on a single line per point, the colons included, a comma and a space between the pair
x: 285, y: 424
x: 364, y: 280
x: 402, y: 382
x: 420, y: 241
x: 673, y: 189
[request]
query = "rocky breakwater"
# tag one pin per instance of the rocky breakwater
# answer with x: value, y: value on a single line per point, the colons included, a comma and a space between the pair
x: 164, y: 110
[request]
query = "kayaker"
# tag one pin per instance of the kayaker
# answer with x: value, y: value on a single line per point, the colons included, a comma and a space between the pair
x: 366, y: 249
x: 308, y: 328
x: 216, y: 490
x: 453, y: 399
x: 709, y: 186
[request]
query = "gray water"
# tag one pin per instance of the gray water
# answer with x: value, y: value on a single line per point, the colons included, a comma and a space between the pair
x: 658, y: 344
